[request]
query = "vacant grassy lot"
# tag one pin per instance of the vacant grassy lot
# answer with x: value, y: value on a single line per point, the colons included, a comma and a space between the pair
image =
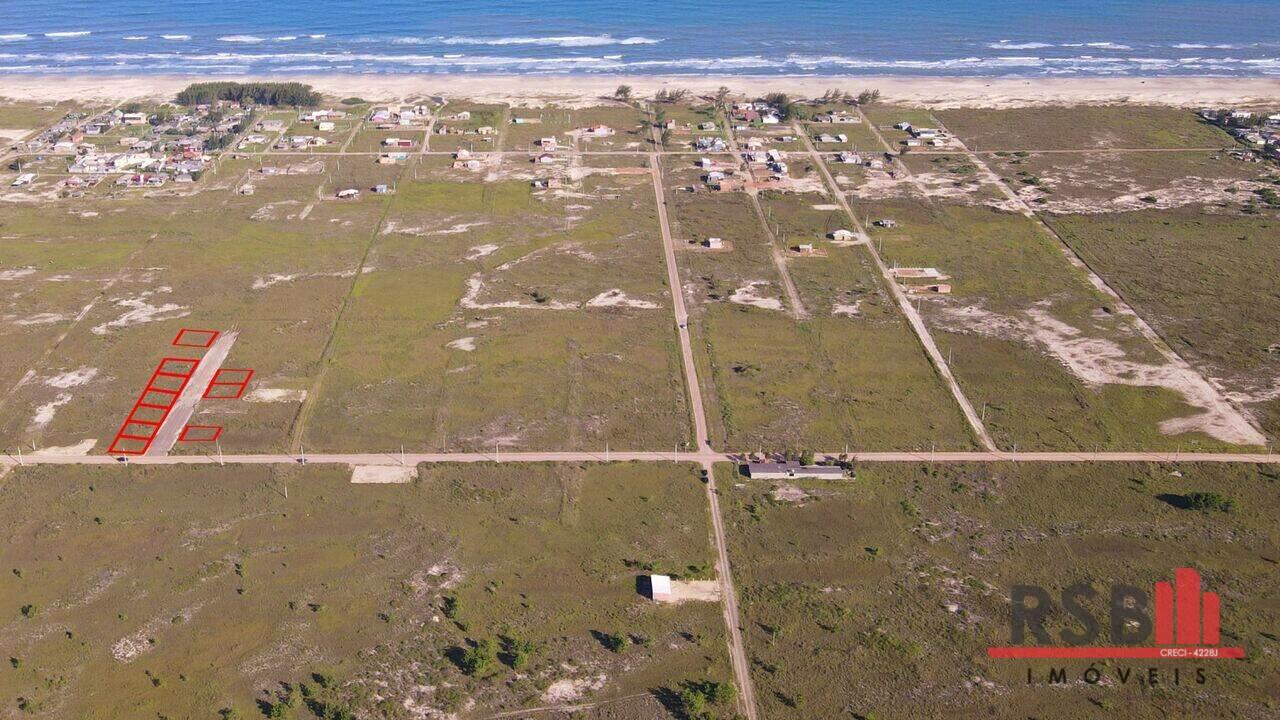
x: 1028, y: 336
x: 120, y: 276
x: 848, y: 372
x: 878, y: 597
x: 1125, y: 181
x: 1083, y: 128
x: 131, y: 592
x: 492, y: 313
x: 1207, y: 282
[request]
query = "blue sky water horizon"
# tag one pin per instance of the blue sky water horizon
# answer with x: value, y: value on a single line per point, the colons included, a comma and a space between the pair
x: 817, y: 37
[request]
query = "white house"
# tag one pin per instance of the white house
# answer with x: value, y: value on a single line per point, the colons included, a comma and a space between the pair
x: 842, y: 235
x: 713, y: 243
x: 660, y: 588
x: 349, y: 193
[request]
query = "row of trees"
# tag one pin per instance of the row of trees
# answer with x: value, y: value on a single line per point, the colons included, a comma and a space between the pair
x: 269, y: 93
x: 788, y: 106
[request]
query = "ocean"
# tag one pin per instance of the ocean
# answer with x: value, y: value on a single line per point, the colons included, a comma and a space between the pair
x: 1027, y: 38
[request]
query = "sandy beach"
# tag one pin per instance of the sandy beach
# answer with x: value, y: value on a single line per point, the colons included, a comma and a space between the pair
x: 934, y: 92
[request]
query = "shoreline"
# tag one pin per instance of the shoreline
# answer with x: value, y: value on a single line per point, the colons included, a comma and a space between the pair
x: 935, y: 92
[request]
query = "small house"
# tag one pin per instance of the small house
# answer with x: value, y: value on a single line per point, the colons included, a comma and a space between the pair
x: 660, y: 588
x: 713, y: 243
x: 349, y: 194
x: 842, y: 235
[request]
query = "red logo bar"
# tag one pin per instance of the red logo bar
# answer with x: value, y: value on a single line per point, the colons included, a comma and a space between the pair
x: 1115, y: 653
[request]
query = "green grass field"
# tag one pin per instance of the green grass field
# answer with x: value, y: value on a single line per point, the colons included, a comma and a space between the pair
x: 878, y: 597
x: 180, y: 592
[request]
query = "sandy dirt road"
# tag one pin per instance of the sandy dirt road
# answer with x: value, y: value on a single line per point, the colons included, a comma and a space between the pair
x: 171, y: 429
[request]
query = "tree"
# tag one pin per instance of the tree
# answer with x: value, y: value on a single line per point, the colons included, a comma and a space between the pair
x: 866, y: 97
x: 722, y: 94
x: 666, y: 135
x: 269, y: 93
x: 622, y: 93
x: 807, y: 457
x: 617, y: 642
x: 478, y: 658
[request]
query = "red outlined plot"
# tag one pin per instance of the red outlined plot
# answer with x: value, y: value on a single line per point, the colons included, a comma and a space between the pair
x: 154, y: 404
x: 200, y: 433
x: 194, y: 338
x: 228, y: 384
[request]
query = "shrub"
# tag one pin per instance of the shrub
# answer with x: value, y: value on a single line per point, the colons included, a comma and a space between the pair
x: 1207, y: 501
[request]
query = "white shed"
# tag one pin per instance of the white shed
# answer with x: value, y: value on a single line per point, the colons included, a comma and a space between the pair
x: 660, y: 587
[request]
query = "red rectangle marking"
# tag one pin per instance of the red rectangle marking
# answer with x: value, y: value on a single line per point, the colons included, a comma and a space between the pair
x: 192, y: 337
x: 200, y: 433
x: 177, y: 366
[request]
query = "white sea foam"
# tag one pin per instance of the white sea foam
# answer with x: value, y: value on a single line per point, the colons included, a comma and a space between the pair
x: 176, y: 36
x: 9, y: 37
x: 1006, y: 45
x: 135, y: 37
x: 553, y: 41
x: 250, y: 39
x: 285, y: 38
x: 67, y: 34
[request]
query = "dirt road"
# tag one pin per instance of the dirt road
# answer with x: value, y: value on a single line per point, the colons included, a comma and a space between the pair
x: 171, y: 429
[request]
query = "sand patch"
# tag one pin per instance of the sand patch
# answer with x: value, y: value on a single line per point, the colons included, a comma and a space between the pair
x: 17, y: 273
x: 476, y: 286
x: 40, y: 319
x: 789, y: 493
x: 617, y: 298
x: 383, y: 474
x: 844, y: 310
x: 73, y: 378
x: 129, y: 648
x: 139, y: 311
x: 1099, y: 361
x: 480, y: 251
x: 81, y: 448
x: 45, y: 413
x: 826, y: 207
x: 694, y: 591
x: 263, y: 283
x: 569, y: 690
x: 274, y: 395
x: 748, y: 295
x: 466, y: 344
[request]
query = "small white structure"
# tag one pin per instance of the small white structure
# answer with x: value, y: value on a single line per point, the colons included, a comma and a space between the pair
x: 713, y: 243
x: 660, y: 588
x: 349, y: 193
x: 325, y: 126
x: 842, y: 235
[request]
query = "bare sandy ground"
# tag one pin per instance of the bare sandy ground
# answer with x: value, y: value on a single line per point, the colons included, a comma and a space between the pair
x: 937, y: 92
